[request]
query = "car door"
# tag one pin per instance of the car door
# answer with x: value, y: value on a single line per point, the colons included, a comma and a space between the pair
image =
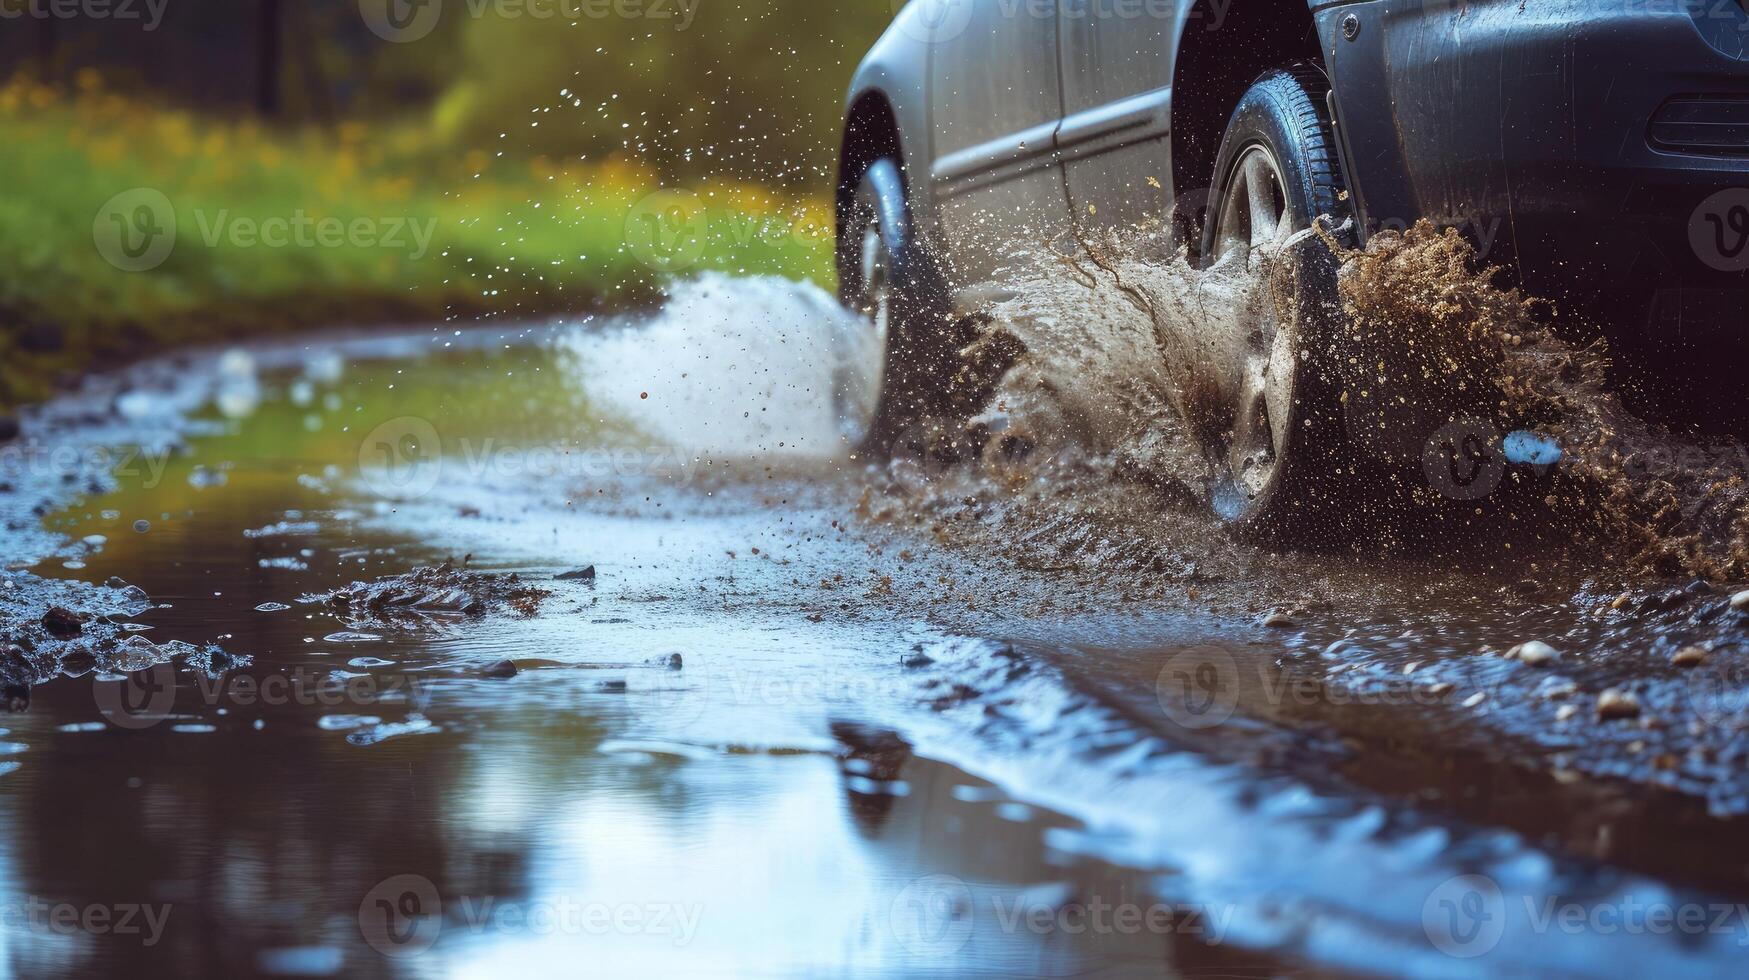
x: 1117, y: 74
x: 995, y: 103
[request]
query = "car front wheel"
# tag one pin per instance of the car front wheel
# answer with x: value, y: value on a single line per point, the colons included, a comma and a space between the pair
x: 1275, y: 444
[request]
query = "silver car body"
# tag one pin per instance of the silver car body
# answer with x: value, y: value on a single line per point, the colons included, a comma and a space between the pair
x: 1020, y: 119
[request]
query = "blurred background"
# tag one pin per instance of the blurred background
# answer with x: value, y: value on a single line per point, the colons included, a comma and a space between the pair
x: 192, y: 170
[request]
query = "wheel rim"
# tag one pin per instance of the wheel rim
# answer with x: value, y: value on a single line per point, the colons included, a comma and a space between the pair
x: 1252, y: 226
x: 863, y: 370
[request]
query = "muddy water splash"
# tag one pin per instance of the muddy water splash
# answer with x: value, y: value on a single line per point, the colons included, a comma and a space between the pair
x: 1635, y: 493
x: 1438, y: 364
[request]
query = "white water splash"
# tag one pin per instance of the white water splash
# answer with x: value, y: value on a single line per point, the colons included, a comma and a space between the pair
x: 732, y: 365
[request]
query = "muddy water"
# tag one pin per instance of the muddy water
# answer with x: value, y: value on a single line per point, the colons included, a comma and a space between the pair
x: 364, y: 800
x: 807, y: 716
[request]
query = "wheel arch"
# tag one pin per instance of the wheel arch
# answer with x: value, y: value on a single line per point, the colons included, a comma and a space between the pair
x: 1224, y: 46
x: 871, y: 131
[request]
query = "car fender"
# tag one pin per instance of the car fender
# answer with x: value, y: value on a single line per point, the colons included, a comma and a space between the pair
x: 897, y: 69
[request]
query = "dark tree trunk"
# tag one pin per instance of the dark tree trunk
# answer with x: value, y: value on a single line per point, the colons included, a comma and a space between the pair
x: 47, y: 44
x: 313, y: 86
x: 268, y: 55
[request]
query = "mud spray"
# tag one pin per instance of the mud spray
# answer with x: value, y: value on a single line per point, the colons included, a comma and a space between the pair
x: 1079, y: 457
x: 1083, y: 450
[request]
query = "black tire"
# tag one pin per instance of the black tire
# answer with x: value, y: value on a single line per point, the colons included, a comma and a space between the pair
x: 916, y: 374
x: 1282, y: 480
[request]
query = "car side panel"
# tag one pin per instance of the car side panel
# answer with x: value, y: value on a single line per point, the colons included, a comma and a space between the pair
x: 1528, y: 125
x: 995, y: 102
x: 1117, y: 74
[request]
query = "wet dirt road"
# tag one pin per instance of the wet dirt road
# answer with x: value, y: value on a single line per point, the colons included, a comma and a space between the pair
x: 754, y: 707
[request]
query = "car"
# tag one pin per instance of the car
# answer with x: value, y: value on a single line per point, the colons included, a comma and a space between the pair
x: 1598, y: 153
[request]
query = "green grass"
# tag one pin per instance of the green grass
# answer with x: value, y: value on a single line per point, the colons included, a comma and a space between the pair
x: 393, y: 228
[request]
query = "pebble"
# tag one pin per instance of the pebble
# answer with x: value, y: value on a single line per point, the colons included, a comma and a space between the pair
x: 1534, y: 653
x: 62, y: 623
x: 1740, y: 601
x: 1690, y: 656
x: 667, y: 661
x: 1566, y: 711
x: 1279, y: 619
x: 1475, y: 699
x: 586, y: 574
x: 1615, y: 703
x: 502, y: 669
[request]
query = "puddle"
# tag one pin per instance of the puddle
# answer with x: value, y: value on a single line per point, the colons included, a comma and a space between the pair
x: 776, y: 711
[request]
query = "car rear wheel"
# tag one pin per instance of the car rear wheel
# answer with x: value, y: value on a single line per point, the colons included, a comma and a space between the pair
x: 1275, y: 449
x: 898, y: 372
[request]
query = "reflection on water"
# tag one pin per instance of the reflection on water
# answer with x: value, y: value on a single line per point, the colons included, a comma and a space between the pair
x: 373, y: 803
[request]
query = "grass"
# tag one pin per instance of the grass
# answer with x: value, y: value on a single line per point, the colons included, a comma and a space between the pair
x: 278, y: 230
